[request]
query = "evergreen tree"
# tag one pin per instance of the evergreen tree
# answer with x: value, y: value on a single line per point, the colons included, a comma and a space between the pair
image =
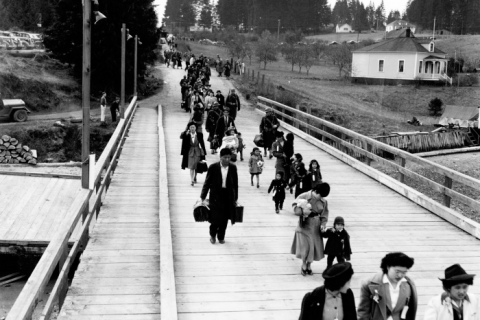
x: 206, y: 17
x: 65, y: 38
x: 341, y: 12
x: 25, y: 14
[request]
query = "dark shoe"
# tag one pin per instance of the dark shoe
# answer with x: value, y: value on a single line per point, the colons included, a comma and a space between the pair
x: 258, y: 185
x: 304, y: 272
x: 309, y: 272
x: 277, y: 211
x: 192, y: 183
x: 241, y: 159
x: 195, y: 180
x: 212, y: 240
x: 221, y: 241
x: 270, y: 156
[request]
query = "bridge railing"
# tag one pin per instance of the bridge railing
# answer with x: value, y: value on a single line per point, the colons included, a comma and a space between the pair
x: 57, y: 252
x: 367, y: 150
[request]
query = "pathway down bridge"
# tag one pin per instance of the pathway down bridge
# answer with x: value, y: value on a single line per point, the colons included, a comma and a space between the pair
x: 252, y: 276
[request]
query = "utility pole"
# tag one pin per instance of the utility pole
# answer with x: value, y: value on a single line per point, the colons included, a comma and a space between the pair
x: 135, y: 67
x: 86, y: 63
x: 278, y: 32
x: 122, y: 88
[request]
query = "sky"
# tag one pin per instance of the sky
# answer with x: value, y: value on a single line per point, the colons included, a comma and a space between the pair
x: 390, y: 5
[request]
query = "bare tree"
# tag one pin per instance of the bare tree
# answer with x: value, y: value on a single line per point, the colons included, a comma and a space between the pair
x: 341, y: 56
x: 249, y: 51
x: 266, y: 50
x: 290, y: 52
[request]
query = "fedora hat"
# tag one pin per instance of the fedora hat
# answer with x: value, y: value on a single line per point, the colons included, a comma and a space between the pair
x: 456, y: 273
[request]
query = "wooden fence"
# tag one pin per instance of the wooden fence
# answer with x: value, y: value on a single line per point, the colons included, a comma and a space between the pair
x: 367, y: 150
x: 57, y: 251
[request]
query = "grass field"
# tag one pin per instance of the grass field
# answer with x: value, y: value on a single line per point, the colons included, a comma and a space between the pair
x: 367, y: 109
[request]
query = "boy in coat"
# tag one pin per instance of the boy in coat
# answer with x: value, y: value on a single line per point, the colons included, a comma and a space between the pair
x: 278, y: 186
x: 338, y: 243
x: 390, y: 294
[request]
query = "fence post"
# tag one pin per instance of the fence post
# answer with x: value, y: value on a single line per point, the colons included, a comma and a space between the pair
x: 263, y: 81
x: 309, y: 111
x: 258, y: 77
x: 341, y: 147
x: 369, y: 149
x: 253, y: 75
x: 448, y: 184
x: 324, y: 129
x: 402, y: 176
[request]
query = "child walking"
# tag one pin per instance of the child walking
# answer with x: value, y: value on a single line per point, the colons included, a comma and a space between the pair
x: 241, y: 145
x: 278, y: 186
x: 255, y: 165
x: 338, y: 243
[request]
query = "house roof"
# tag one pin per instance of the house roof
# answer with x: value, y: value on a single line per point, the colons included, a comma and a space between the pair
x: 397, y: 45
x: 434, y: 58
x: 399, y: 33
x: 401, y: 23
x: 343, y: 24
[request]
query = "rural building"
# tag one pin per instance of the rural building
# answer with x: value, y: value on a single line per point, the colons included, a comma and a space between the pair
x: 400, y: 24
x: 343, y: 28
x: 461, y: 116
x: 399, y: 60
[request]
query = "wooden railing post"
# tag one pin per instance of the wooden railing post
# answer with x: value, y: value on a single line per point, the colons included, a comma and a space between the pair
x: 258, y: 76
x: 253, y: 75
x: 263, y: 81
x: 403, y: 162
x: 448, y: 184
x: 64, y: 287
x: 369, y: 149
x: 309, y: 111
x: 341, y: 147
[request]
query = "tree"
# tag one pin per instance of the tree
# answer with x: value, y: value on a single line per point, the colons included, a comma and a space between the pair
x: 65, y: 37
x: 206, y: 18
x: 290, y: 52
x: 249, y: 51
x: 393, y: 16
x: 25, y: 14
x: 341, y: 12
x: 341, y: 56
x: 435, y: 107
x: 306, y: 58
x: 380, y: 15
x: 266, y: 50
x: 360, y: 18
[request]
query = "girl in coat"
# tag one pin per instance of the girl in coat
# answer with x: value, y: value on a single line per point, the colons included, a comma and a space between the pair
x: 299, y: 179
x: 255, y: 165
x: 193, y: 150
x: 278, y: 186
x: 307, y: 243
x: 455, y: 303
x: 314, y: 174
x: 338, y: 243
x: 288, y: 150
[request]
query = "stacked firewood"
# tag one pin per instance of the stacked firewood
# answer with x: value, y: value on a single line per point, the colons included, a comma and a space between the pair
x: 12, y: 151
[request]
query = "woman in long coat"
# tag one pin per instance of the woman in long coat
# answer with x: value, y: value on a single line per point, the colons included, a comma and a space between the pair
x: 268, y: 127
x: 193, y: 150
x: 307, y: 242
x: 211, y: 125
x: 278, y: 152
x: 288, y: 150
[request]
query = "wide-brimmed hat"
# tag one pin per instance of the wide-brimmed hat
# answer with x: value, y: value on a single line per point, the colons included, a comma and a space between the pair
x: 337, y: 271
x: 456, y: 273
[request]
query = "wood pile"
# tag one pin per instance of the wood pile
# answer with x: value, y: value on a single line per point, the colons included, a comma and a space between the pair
x: 12, y: 151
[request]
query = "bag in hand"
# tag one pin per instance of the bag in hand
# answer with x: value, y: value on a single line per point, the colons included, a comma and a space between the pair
x: 201, y: 211
x: 214, y: 144
x: 239, y: 214
x: 202, y: 167
x: 258, y: 140
x: 233, y: 157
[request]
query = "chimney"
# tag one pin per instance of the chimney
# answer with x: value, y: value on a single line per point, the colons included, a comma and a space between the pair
x: 407, y: 33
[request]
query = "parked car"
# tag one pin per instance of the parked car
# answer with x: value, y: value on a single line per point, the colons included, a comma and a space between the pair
x: 14, y: 109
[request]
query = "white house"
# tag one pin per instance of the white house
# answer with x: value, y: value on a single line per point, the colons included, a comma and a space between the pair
x: 343, y: 28
x: 400, y: 24
x: 399, y: 60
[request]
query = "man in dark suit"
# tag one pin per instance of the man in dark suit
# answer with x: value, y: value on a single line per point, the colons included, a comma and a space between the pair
x: 223, y: 123
x: 220, y: 99
x: 222, y: 182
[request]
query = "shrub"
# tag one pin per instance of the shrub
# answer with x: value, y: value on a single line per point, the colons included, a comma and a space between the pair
x: 435, y: 106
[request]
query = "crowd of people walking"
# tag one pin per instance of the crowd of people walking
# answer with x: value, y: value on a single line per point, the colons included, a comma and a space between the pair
x: 388, y: 295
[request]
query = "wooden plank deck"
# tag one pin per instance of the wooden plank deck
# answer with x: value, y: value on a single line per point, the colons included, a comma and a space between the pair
x: 32, y: 208
x: 119, y: 273
x: 253, y: 276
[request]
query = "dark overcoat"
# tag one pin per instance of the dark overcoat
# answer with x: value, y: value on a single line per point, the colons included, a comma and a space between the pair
x: 222, y: 126
x: 233, y: 103
x: 313, y: 303
x: 187, y: 143
x: 338, y: 243
x: 213, y: 184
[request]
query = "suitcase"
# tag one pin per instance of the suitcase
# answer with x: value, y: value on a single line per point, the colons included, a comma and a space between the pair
x: 239, y: 214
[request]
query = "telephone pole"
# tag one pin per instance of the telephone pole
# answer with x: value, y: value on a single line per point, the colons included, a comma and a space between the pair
x: 278, y: 32
x: 122, y: 87
x: 86, y: 62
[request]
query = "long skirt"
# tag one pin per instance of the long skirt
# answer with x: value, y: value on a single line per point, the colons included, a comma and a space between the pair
x: 307, y: 242
x: 193, y: 161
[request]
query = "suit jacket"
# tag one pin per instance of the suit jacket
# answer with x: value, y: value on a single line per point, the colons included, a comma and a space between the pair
x: 220, y: 99
x: 368, y: 309
x: 313, y: 303
x: 213, y: 184
x: 233, y: 102
x: 187, y: 143
x: 221, y: 126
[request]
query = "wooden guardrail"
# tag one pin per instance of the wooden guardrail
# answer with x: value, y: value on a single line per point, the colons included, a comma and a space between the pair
x: 57, y: 251
x: 368, y: 149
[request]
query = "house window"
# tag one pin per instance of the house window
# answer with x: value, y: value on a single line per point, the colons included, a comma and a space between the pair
x: 346, y: 29
x: 420, y: 67
x: 380, y: 65
x: 401, y: 65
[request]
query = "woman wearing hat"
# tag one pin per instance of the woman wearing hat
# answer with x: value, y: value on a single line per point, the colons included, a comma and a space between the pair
x: 307, y: 242
x: 324, y: 302
x: 193, y: 150
x: 455, y: 303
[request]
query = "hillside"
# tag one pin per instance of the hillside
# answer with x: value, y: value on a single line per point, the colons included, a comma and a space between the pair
x: 45, y: 84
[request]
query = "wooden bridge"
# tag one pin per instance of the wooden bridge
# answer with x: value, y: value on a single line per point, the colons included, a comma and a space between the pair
x: 148, y: 259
